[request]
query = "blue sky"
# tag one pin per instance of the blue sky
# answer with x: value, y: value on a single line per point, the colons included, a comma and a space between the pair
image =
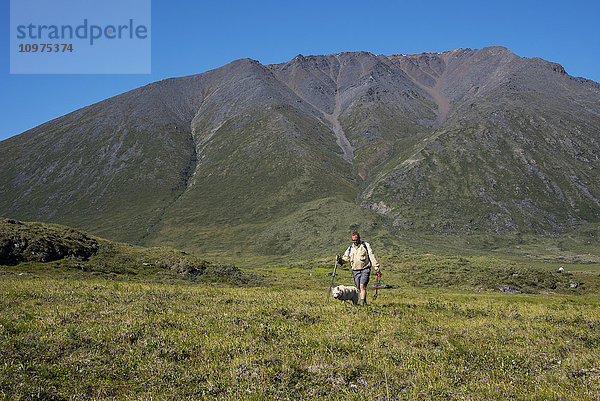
x: 190, y: 37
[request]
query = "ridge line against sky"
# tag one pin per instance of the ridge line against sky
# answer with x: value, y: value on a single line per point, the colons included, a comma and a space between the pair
x: 191, y: 37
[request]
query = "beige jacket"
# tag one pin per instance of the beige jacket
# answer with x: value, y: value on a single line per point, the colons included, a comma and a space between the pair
x: 359, y: 257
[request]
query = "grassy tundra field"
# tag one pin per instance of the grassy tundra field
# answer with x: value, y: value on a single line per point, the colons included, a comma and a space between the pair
x: 111, y: 327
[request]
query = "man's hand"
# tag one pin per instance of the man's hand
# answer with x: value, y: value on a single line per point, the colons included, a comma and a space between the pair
x: 339, y: 260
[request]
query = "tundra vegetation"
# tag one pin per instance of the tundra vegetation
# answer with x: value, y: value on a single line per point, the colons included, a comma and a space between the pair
x: 125, y: 322
x: 473, y: 172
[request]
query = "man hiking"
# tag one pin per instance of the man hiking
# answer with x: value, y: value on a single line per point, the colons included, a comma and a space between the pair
x: 361, y: 258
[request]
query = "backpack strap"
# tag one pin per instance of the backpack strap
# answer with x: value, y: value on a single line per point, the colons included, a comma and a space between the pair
x: 368, y: 256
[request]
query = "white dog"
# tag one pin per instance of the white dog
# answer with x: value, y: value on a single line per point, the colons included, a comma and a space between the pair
x: 346, y: 293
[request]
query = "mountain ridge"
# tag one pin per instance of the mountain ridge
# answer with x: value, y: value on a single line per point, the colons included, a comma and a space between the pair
x: 458, y: 142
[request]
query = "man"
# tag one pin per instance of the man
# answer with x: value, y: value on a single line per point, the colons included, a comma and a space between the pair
x: 361, y: 258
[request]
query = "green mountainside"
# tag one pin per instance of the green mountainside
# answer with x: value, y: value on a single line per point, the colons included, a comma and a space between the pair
x: 286, y: 159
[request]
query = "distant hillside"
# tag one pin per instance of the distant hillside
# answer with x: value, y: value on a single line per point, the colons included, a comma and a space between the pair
x: 253, y: 159
x: 36, y: 244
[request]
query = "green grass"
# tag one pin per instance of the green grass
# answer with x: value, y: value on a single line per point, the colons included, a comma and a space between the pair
x: 131, y: 323
x: 100, y: 339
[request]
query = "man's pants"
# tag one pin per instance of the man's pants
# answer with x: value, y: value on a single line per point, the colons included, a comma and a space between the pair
x: 361, y: 277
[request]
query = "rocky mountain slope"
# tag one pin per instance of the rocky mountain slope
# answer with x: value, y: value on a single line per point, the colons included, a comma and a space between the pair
x: 287, y: 158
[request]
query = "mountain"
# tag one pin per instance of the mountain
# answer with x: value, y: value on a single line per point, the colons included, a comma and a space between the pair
x: 252, y: 159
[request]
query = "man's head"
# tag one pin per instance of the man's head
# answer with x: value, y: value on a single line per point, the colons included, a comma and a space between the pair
x: 355, y: 237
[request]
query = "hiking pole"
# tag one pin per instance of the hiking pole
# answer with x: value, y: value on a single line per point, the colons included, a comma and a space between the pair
x: 332, y: 278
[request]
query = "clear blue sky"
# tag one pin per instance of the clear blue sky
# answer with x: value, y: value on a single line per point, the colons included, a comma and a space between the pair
x: 190, y: 37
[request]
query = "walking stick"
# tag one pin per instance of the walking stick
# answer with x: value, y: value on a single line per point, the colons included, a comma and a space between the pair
x: 332, y: 278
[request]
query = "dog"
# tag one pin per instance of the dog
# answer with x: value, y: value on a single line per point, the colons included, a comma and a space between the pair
x: 346, y: 293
